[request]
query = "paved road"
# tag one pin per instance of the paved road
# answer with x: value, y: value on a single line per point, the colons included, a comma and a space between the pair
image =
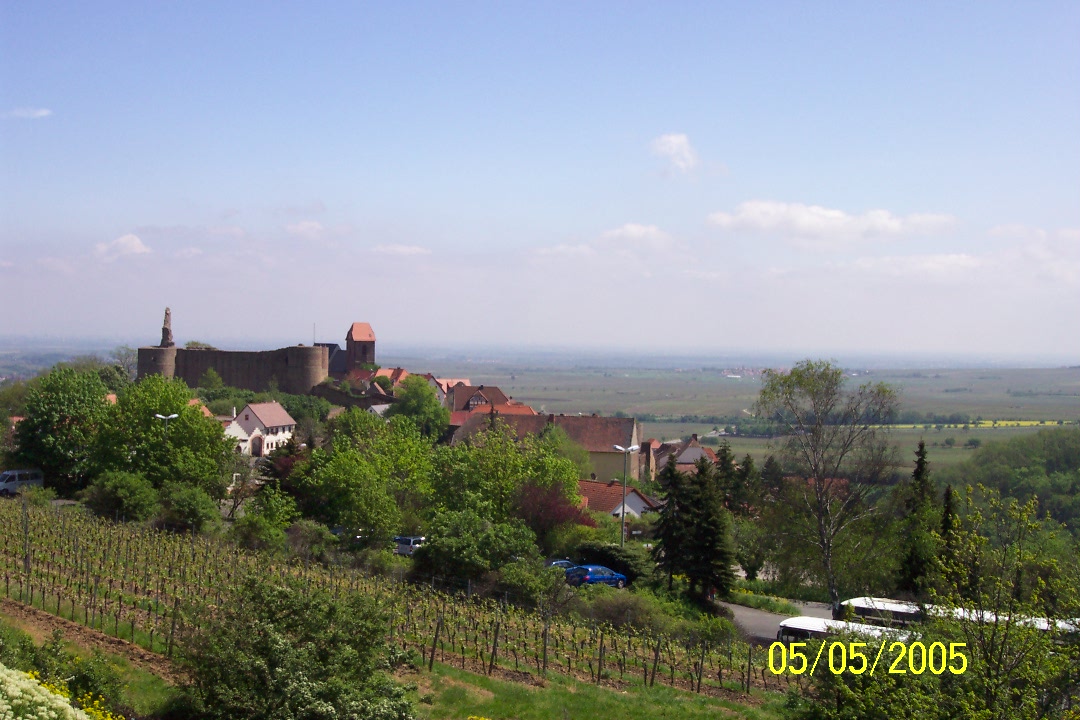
x: 760, y: 626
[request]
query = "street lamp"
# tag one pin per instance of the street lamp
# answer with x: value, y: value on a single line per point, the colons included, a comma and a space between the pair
x: 166, y: 418
x: 625, y: 470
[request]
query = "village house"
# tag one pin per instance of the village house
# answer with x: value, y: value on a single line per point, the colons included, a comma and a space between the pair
x: 606, y: 497
x: 260, y: 428
x: 655, y: 455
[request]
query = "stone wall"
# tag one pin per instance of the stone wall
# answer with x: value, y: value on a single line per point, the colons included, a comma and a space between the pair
x: 295, y: 369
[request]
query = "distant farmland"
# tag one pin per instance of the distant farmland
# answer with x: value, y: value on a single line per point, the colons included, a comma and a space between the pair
x: 1032, y: 395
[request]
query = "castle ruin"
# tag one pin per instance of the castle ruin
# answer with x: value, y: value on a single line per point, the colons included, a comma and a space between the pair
x: 296, y: 369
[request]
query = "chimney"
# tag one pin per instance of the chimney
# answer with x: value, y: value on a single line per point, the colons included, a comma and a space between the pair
x: 551, y: 419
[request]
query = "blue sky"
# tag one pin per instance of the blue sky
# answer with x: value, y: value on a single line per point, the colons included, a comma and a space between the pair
x: 799, y: 177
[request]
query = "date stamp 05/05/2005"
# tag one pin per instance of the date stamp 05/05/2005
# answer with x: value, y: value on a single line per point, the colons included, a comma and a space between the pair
x: 852, y: 657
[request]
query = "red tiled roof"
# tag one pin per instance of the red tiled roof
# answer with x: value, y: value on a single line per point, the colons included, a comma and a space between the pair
x: 361, y: 332
x: 606, y: 496
x: 396, y: 375
x: 464, y: 393
x: 509, y: 408
x: 198, y: 403
x: 459, y: 417
x: 448, y: 383
x: 271, y: 414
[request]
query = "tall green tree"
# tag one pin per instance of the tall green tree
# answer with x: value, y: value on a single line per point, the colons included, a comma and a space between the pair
x: 190, y: 448
x: 344, y: 488
x: 674, y: 522
x: 416, y: 400
x: 399, y: 455
x: 920, y: 543
x: 707, y: 552
x: 64, y: 411
x: 835, y: 439
x: 487, y: 473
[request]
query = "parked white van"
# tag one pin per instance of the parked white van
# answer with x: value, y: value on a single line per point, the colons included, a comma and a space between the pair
x: 12, y: 481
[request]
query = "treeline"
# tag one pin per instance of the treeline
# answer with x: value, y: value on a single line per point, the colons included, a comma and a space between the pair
x: 1043, y: 467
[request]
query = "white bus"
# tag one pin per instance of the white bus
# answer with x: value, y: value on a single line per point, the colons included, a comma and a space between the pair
x: 800, y: 629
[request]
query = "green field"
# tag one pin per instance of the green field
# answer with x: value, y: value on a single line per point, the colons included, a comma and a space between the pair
x: 451, y: 693
x: 992, y: 394
x: 904, y: 439
x: 1022, y: 394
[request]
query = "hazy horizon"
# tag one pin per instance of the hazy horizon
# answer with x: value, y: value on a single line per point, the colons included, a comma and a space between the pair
x: 413, y: 356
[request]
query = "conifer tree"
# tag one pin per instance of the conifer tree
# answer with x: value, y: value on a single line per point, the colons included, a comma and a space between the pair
x: 920, y: 546
x: 950, y: 528
x: 674, y: 521
x: 709, y: 552
x: 772, y: 476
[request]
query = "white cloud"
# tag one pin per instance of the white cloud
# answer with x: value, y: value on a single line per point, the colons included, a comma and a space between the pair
x: 129, y: 244
x: 307, y: 229
x: 189, y: 252
x: 816, y: 227
x: 676, y: 149
x: 634, y: 234
x: 401, y: 250
x: 4, y: 264
x: 28, y: 113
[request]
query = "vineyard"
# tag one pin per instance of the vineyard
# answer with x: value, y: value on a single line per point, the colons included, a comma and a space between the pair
x: 140, y: 584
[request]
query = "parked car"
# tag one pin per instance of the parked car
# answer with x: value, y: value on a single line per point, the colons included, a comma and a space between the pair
x: 590, y: 574
x: 406, y: 545
x: 12, y: 481
x: 564, y: 564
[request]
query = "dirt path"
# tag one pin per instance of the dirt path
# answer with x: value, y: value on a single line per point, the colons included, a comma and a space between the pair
x: 40, y: 626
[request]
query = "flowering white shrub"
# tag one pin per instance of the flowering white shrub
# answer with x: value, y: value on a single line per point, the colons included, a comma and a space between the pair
x: 22, y: 697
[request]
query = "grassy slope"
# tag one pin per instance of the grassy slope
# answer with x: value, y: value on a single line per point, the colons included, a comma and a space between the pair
x: 452, y: 693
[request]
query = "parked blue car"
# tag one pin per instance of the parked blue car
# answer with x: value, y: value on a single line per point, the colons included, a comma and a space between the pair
x: 589, y: 574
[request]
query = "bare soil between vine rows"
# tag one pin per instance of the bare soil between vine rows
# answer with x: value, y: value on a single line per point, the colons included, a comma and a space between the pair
x: 41, y: 624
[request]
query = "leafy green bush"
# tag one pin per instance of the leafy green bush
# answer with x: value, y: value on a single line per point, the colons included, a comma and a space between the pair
x: 38, y: 496
x: 292, y: 653
x: 310, y: 540
x: 122, y: 495
x: 258, y: 532
x: 186, y: 507
x: 462, y: 544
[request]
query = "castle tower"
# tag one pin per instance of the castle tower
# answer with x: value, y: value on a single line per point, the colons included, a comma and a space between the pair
x: 359, y: 346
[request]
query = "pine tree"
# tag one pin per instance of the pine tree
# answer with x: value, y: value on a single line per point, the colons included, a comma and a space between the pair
x: 709, y: 554
x: 673, y: 523
x: 724, y: 472
x: 747, y: 488
x: 950, y: 527
x: 920, y: 545
x: 772, y: 476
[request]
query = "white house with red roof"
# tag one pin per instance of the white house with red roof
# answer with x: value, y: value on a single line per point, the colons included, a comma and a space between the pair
x: 260, y: 428
x: 606, y: 497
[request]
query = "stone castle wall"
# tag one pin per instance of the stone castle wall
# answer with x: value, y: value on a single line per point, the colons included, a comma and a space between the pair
x: 295, y: 369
